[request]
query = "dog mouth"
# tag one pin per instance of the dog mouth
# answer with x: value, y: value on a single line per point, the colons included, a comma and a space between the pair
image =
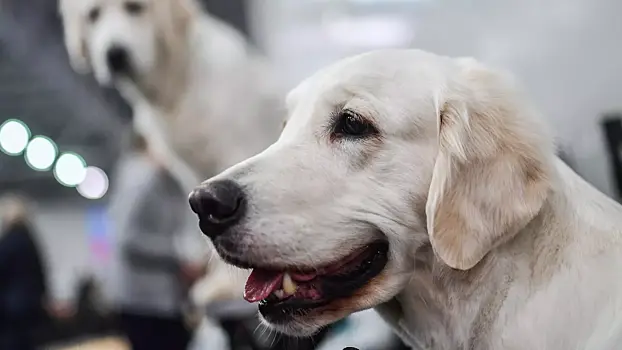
x: 284, y: 293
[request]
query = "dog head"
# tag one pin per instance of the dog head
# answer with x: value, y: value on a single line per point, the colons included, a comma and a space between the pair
x: 380, y: 154
x: 120, y: 39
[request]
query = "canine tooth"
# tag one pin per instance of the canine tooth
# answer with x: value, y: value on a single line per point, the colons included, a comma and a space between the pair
x: 289, y: 286
x: 279, y: 294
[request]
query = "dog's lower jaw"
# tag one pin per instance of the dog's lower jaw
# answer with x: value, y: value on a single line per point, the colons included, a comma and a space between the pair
x: 295, y: 328
x: 310, y: 322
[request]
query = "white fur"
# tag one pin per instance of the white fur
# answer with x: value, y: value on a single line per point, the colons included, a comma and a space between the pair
x: 494, y: 242
x: 199, y: 94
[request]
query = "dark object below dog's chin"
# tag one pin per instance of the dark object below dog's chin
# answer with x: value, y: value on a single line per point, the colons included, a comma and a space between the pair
x: 280, y: 312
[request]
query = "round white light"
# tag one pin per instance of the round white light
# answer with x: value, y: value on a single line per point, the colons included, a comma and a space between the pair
x: 95, y: 184
x: 41, y: 153
x: 14, y: 136
x: 70, y: 169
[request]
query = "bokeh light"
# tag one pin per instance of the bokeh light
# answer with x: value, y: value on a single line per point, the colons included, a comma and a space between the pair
x: 70, y: 169
x: 41, y: 153
x: 95, y: 183
x: 14, y: 136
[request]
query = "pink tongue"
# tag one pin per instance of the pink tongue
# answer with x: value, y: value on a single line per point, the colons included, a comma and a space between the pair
x: 261, y: 283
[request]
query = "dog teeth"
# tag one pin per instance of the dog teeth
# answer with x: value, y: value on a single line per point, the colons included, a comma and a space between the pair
x: 279, y: 294
x: 289, y: 286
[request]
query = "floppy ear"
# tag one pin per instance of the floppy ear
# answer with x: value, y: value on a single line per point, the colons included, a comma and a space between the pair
x: 173, y: 19
x: 73, y: 26
x: 491, y: 176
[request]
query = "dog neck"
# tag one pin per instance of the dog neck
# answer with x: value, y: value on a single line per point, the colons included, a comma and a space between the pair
x: 444, y: 308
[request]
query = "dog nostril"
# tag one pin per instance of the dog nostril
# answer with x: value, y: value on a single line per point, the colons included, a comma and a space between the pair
x: 118, y: 59
x: 220, y: 213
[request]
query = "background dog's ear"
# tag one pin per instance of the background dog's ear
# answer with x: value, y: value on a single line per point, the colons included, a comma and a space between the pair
x: 173, y: 19
x: 492, y: 173
x: 73, y: 27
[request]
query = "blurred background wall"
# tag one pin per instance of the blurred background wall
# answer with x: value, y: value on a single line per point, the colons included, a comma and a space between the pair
x: 567, y: 53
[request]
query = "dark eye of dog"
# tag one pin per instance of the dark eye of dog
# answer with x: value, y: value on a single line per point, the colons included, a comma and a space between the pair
x: 350, y: 124
x: 134, y: 7
x: 94, y: 14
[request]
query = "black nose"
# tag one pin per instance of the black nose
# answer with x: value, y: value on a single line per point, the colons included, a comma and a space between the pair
x: 219, y: 205
x: 118, y: 59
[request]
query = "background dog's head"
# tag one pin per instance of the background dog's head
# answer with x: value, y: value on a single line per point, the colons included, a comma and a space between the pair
x: 124, y: 38
x: 381, y: 153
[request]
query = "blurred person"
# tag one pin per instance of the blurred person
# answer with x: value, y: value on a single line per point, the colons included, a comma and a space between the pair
x: 23, y: 286
x: 149, y: 217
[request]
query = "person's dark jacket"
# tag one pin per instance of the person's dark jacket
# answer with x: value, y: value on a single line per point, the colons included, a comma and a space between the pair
x: 22, y: 277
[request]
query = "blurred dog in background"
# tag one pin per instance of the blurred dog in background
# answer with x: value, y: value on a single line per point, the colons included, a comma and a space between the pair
x: 196, y: 86
x: 199, y: 94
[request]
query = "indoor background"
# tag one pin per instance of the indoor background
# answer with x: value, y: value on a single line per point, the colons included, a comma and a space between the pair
x: 566, y: 53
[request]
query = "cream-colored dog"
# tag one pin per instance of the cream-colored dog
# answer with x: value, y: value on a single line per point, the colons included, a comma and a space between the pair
x: 427, y: 188
x: 199, y: 94
x: 198, y: 91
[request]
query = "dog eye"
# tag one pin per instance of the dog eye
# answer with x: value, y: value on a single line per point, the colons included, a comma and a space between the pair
x: 350, y: 124
x: 134, y: 7
x: 94, y: 14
